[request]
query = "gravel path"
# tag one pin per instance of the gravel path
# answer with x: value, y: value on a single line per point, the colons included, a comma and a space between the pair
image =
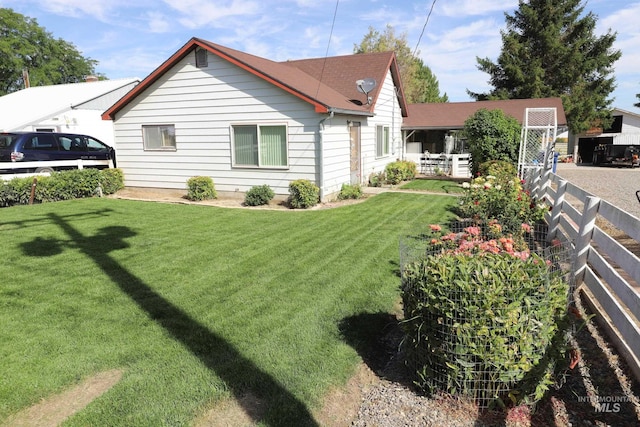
x: 600, y: 374
x: 617, y: 186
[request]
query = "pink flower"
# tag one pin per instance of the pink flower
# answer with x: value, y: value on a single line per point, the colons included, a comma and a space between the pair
x: 473, y: 231
x: 435, y: 227
x: 526, y: 227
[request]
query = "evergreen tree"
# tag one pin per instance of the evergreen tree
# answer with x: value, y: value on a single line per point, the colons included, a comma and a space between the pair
x: 638, y: 103
x: 419, y: 82
x: 25, y: 47
x: 549, y: 49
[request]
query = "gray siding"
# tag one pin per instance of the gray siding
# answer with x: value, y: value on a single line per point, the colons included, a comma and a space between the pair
x: 203, y: 104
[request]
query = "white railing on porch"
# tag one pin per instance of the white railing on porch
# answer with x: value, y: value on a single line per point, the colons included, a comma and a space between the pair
x: 79, y: 164
x: 607, y: 273
x: 454, y: 165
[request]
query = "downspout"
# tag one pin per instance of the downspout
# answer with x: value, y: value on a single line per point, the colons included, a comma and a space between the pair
x: 321, y: 150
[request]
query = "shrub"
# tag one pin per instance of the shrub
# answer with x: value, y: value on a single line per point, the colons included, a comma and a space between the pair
x: 376, y: 179
x: 492, y: 135
x: 258, y: 195
x: 200, y: 188
x: 112, y: 180
x: 488, y: 198
x: 401, y: 170
x: 303, y: 194
x: 501, y: 169
x: 349, y: 191
x: 62, y: 185
x: 483, y: 319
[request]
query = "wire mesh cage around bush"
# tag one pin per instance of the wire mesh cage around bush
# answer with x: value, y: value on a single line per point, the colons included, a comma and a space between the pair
x: 485, y: 316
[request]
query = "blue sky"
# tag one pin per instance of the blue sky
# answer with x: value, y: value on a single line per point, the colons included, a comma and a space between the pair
x: 130, y: 38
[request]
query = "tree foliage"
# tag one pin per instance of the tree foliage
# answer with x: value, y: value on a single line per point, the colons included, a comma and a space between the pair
x: 492, y: 135
x: 24, y: 45
x: 548, y: 50
x: 638, y: 103
x: 419, y: 82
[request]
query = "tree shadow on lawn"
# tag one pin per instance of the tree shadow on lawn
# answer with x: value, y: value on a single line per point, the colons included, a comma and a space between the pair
x: 240, y: 374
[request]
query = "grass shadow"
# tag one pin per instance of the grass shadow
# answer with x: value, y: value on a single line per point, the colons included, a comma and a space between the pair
x: 240, y: 374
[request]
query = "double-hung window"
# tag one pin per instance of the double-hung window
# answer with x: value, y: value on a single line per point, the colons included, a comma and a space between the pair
x: 159, y: 137
x: 263, y: 146
x: 382, y: 141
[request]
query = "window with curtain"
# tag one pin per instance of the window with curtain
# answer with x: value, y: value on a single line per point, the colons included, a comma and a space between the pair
x: 260, y: 146
x: 382, y: 141
x: 159, y: 137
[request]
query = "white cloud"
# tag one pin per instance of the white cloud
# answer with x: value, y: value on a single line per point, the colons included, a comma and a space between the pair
x: 203, y: 13
x: 158, y: 22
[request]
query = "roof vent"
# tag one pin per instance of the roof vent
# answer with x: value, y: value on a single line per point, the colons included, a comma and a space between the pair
x: 201, y: 58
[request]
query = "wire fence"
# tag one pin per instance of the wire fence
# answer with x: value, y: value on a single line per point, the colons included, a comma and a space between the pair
x: 480, y: 329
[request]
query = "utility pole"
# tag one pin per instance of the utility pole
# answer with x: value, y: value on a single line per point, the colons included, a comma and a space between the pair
x: 25, y: 78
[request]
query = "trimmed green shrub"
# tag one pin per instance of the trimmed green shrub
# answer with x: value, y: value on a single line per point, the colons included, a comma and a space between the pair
x: 349, y: 191
x: 485, y: 320
x: 201, y: 188
x: 112, y: 180
x: 492, y: 135
x: 62, y: 185
x: 501, y: 169
x: 401, y: 170
x: 376, y: 179
x: 258, y: 195
x: 303, y: 194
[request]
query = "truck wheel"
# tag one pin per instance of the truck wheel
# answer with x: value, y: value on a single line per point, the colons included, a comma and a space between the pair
x: 45, y: 169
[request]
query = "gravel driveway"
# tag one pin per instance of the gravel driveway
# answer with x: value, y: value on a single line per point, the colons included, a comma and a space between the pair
x: 617, y: 186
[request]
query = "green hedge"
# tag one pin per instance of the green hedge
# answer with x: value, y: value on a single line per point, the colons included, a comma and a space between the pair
x: 62, y: 185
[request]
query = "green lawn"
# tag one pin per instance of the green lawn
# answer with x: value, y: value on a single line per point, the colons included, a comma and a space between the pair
x: 195, y: 304
x: 434, y: 185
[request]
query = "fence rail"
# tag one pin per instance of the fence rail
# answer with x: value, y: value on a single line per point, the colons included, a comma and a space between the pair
x: 79, y: 164
x: 606, y: 272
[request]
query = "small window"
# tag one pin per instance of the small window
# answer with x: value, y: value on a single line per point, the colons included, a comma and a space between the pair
x: 382, y: 141
x: 260, y: 146
x: 159, y: 137
x: 201, y: 58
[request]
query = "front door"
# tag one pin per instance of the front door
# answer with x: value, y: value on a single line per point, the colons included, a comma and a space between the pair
x: 356, y: 162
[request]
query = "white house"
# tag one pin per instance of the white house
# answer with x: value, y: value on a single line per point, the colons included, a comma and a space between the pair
x: 625, y: 130
x: 243, y: 120
x: 73, y: 108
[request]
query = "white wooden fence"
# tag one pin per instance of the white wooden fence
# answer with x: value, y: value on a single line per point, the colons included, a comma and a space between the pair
x: 607, y: 273
x: 79, y: 164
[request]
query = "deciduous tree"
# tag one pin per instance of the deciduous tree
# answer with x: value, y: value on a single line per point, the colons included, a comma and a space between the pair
x: 26, y: 47
x: 549, y: 49
x: 419, y: 82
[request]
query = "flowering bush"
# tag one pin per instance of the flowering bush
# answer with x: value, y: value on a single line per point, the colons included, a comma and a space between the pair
x: 503, y: 199
x: 484, y: 317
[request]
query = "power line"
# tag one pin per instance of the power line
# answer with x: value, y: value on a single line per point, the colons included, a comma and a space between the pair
x: 335, y: 13
x: 424, y: 27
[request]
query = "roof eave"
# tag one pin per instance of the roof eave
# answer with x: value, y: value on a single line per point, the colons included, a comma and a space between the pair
x: 175, y: 58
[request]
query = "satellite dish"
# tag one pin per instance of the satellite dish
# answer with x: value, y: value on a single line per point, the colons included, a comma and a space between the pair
x: 365, y: 86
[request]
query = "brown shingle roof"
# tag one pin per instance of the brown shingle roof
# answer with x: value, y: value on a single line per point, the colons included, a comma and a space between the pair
x: 452, y: 115
x: 326, y: 83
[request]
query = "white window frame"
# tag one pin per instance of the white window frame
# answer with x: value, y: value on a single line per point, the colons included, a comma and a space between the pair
x: 383, y: 143
x: 163, y: 146
x: 259, y: 164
